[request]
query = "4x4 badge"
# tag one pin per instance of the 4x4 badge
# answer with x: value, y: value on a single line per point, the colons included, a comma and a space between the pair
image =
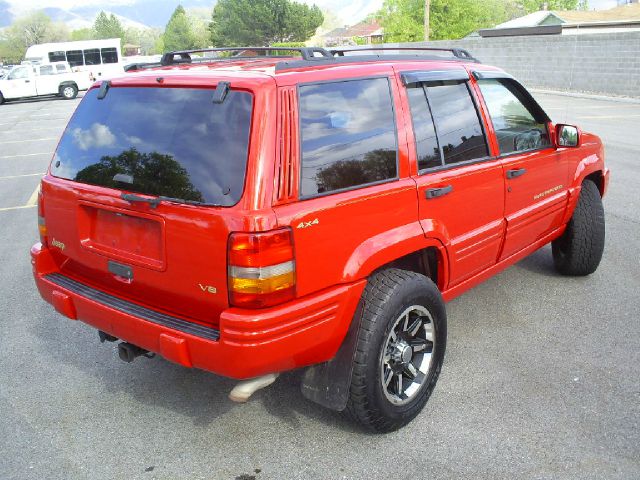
x: 308, y: 224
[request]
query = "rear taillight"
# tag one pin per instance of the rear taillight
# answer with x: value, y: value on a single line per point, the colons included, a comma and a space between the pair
x: 262, y: 269
x: 42, y: 226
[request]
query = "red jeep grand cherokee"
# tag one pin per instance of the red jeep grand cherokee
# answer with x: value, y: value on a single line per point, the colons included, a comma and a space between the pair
x: 267, y: 210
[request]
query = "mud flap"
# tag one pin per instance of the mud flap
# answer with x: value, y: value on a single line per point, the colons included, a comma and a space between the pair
x: 328, y: 383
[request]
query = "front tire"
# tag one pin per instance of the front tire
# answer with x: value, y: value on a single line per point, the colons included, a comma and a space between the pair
x: 1, y: 99
x: 400, y: 349
x: 579, y: 250
x: 68, y: 92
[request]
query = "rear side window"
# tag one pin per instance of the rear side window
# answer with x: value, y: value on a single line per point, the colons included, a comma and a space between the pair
x: 459, y: 129
x: 46, y: 70
x: 519, y: 123
x: 171, y: 142
x: 424, y: 131
x: 75, y: 58
x: 92, y: 56
x: 57, y: 57
x: 348, y: 135
x: 109, y: 55
x: 61, y: 68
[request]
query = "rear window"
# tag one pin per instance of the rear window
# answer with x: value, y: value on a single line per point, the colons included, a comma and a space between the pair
x: 171, y: 142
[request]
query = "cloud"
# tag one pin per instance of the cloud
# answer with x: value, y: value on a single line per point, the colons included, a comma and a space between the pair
x: 97, y: 135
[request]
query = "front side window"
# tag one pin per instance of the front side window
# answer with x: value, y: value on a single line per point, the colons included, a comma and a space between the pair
x: 109, y: 55
x: 21, y: 72
x: 519, y: 123
x: 92, y: 56
x: 57, y: 57
x: 458, y: 125
x: 75, y: 58
x: 348, y: 135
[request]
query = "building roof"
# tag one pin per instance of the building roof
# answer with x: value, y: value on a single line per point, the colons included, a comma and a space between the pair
x: 555, y: 17
x: 362, y: 29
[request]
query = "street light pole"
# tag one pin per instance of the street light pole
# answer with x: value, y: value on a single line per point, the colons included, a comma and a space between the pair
x: 427, y: 4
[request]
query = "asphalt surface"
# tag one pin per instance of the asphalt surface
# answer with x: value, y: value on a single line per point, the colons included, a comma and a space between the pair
x: 541, y: 377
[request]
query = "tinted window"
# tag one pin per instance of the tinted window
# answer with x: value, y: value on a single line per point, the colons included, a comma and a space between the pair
x: 46, y: 70
x: 173, y: 142
x: 109, y: 55
x: 518, y: 122
x: 92, y: 56
x: 459, y: 129
x: 348, y: 135
x: 57, y: 57
x: 74, y: 57
x: 426, y: 141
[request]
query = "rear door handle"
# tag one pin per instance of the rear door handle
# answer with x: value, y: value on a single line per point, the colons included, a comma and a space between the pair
x: 438, y: 192
x: 516, y: 172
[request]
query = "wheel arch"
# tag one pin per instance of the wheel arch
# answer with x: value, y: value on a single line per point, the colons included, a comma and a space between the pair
x: 404, y: 247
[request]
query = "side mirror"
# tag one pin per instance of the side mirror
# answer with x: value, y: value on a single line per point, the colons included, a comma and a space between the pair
x: 567, y: 135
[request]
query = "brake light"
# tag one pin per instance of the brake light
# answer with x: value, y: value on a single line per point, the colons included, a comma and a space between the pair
x: 261, y: 268
x: 42, y: 226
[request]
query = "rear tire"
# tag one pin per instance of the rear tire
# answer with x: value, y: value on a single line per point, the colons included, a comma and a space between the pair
x: 399, y: 352
x: 1, y: 99
x: 68, y: 92
x: 579, y: 250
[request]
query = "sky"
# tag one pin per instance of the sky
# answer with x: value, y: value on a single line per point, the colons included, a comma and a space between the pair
x: 22, y: 5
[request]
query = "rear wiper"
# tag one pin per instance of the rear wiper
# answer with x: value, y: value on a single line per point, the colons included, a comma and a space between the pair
x: 132, y: 197
x: 155, y: 201
x: 186, y: 202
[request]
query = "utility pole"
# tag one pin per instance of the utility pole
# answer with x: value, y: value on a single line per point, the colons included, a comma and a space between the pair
x: 427, y: 5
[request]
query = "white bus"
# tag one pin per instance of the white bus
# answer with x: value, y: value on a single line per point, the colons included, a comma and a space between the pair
x: 102, y: 58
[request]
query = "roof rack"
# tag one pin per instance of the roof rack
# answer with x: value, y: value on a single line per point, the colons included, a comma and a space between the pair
x: 459, y: 53
x: 307, y: 53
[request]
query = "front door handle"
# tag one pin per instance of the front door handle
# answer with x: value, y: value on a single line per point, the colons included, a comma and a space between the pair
x: 516, y: 172
x: 438, y: 192
x: 27, y: 81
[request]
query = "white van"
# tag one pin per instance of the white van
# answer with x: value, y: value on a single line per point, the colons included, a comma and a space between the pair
x: 101, y: 58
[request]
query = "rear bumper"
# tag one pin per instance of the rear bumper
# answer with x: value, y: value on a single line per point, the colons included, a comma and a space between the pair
x: 249, y: 343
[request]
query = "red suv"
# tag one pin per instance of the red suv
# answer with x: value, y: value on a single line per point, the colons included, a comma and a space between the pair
x: 266, y: 210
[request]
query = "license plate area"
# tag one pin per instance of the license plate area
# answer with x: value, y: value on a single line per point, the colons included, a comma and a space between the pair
x: 132, y: 237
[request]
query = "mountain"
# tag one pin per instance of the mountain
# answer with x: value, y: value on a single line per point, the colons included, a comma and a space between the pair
x: 154, y: 13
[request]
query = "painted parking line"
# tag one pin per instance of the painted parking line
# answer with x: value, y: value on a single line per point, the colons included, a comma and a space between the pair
x: 21, y: 207
x: 607, y: 117
x: 31, y: 140
x: 22, y: 176
x: 25, y: 155
x: 32, y: 202
x: 33, y: 199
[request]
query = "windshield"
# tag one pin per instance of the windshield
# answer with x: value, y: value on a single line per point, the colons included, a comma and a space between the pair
x: 171, y: 142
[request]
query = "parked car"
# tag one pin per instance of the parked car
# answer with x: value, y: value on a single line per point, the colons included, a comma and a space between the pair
x: 253, y: 215
x: 26, y: 81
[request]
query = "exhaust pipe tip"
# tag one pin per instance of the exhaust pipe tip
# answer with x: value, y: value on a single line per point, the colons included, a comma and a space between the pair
x: 243, y: 390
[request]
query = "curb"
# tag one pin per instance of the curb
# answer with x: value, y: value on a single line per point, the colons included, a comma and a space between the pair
x: 586, y: 95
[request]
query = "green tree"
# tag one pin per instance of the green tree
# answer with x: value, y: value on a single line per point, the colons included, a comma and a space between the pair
x: 31, y: 29
x: 262, y: 22
x: 108, y: 26
x: 534, y: 5
x: 403, y: 20
x: 178, y: 34
x: 83, y: 34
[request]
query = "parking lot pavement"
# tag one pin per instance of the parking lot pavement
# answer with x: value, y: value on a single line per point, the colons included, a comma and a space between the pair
x: 541, y: 378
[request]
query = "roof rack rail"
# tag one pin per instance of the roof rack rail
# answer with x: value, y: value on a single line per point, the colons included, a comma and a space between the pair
x: 459, y: 53
x: 307, y: 53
